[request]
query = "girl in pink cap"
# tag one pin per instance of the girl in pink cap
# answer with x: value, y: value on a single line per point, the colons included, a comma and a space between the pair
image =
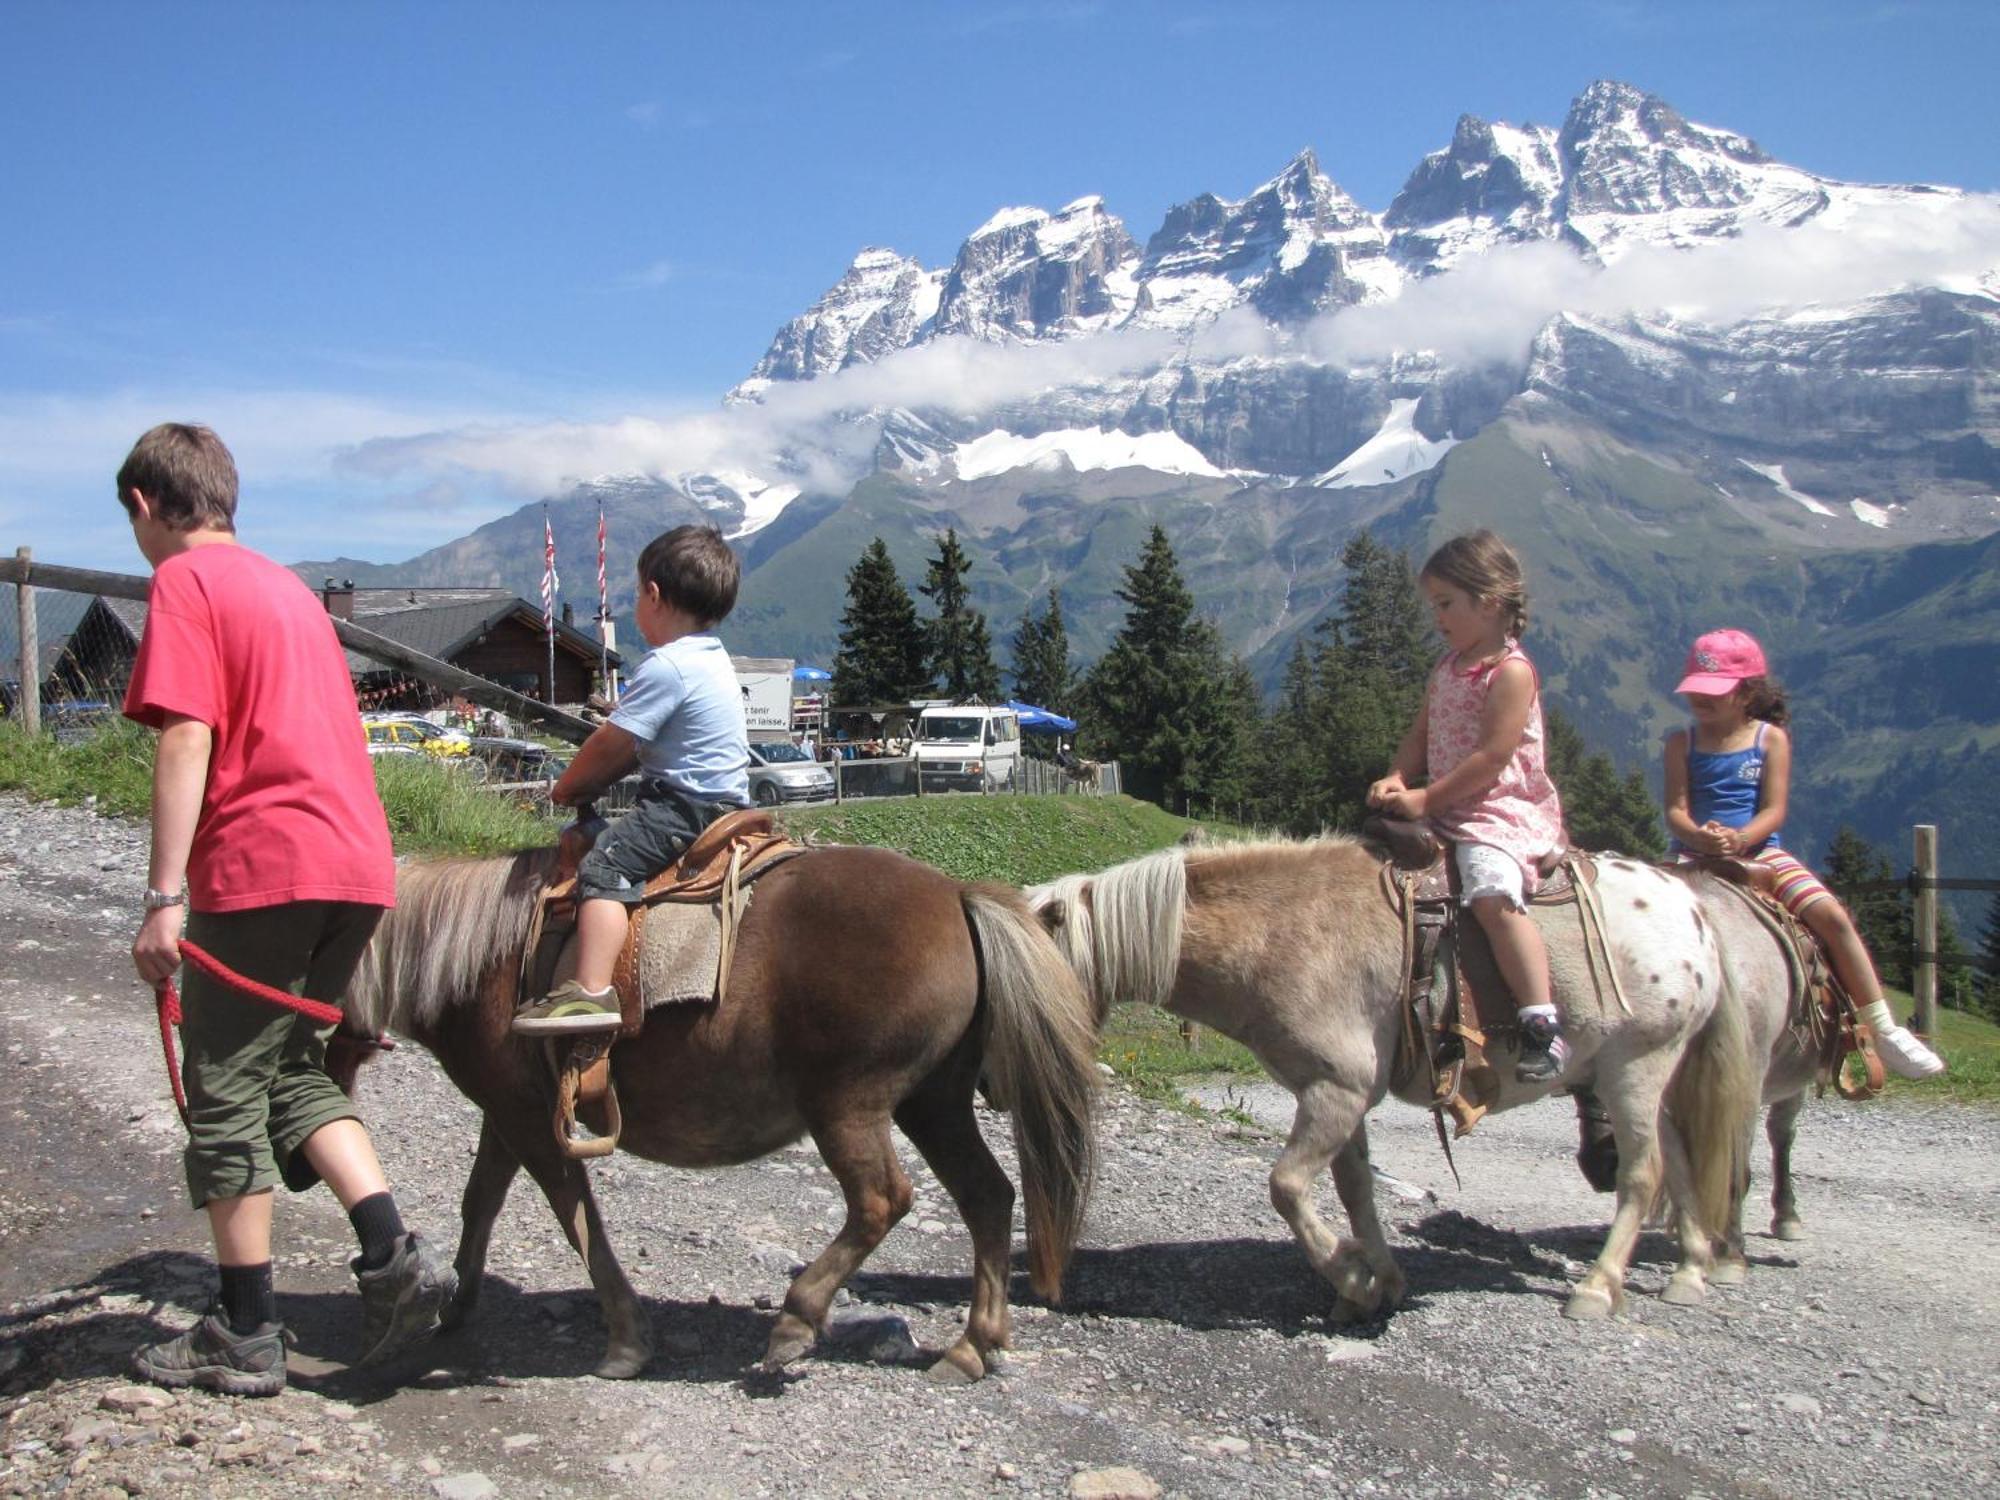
x: 1728, y: 779
x: 1478, y: 743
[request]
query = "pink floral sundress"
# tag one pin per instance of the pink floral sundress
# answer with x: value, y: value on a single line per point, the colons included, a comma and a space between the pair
x: 1521, y: 813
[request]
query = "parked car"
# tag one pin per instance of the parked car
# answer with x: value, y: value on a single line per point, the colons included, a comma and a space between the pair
x: 417, y: 733
x: 518, y: 760
x: 782, y: 772
x: 967, y: 747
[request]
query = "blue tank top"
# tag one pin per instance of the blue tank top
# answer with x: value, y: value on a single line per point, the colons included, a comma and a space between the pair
x: 1723, y: 786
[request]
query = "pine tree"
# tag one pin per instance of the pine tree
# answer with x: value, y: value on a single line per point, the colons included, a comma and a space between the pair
x: 961, y: 649
x: 881, y: 655
x: 1370, y: 664
x: 1601, y: 810
x: 1989, y: 961
x: 1881, y: 917
x: 1166, y: 700
x: 1043, y: 675
x: 1281, y: 767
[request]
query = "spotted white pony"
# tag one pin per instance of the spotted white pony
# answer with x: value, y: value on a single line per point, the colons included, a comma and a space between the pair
x: 1292, y: 949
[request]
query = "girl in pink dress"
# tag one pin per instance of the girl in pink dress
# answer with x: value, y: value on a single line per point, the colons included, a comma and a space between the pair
x: 1479, y: 747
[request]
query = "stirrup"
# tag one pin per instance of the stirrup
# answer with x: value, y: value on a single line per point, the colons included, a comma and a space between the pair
x: 582, y: 1067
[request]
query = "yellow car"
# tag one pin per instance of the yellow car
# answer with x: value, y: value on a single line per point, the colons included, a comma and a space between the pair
x: 389, y: 734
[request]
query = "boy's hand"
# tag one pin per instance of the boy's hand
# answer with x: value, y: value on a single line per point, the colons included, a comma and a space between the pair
x: 156, y: 951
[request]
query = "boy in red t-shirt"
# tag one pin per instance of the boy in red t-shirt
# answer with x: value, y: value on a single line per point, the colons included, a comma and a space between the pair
x: 264, y: 801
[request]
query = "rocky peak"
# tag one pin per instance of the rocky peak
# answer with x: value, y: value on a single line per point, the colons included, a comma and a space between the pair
x: 1295, y: 246
x: 1026, y: 273
x: 1634, y: 171
x: 878, y: 306
x: 1495, y: 182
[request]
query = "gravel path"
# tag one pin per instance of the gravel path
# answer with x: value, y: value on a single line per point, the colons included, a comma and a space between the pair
x: 1193, y: 1347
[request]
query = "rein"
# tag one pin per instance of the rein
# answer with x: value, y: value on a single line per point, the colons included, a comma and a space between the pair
x: 168, y: 1001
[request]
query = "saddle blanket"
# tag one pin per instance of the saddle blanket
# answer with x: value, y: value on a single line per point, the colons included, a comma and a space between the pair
x: 681, y: 954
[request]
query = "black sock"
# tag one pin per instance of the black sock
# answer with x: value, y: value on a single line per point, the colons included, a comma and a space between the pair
x: 248, y: 1299
x: 378, y: 1226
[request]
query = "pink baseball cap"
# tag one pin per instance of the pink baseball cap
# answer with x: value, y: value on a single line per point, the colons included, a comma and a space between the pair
x: 1720, y: 660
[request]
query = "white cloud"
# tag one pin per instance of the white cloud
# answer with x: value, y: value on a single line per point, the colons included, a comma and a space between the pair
x: 654, y: 274
x: 420, y: 473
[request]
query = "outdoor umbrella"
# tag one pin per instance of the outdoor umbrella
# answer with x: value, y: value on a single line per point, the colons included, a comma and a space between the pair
x: 811, y: 674
x: 1041, y: 720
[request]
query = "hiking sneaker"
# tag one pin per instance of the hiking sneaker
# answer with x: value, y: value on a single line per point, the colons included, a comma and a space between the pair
x: 569, y: 1009
x: 216, y: 1357
x: 1903, y: 1053
x: 403, y: 1299
x: 1544, y: 1052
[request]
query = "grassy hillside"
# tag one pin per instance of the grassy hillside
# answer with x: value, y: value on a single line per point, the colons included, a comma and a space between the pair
x: 1014, y: 840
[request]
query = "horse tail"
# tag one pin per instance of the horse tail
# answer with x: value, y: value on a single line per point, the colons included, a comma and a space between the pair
x: 1712, y: 1100
x: 1041, y: 1064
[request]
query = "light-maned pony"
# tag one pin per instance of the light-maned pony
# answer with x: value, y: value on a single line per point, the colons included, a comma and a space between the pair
x: 1293, y: 950
x: 865, y: 988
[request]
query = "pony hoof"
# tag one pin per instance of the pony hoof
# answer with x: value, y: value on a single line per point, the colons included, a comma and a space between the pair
x: 1788, y: 1229
x: 1729, y: 1273
x: 622, y: 1364
x: 1684, y: 1291
x: 788, y: 1345
x: 960, y: 1365
x: 1588, y: 1305
x: 458, y: 1312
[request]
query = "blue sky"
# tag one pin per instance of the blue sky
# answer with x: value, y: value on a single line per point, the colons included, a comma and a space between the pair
x: 316, y: 225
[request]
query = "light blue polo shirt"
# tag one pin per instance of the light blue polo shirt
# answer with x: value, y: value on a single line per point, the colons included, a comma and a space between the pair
x: 685, y: 708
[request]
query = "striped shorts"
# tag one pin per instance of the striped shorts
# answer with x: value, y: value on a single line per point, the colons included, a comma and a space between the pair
x: 1798, y: 888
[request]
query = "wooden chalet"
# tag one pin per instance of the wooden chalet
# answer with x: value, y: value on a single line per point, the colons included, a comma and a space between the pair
x: 491, y: 633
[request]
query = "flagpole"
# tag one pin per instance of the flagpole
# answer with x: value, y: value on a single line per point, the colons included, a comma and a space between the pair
x: 605, y: 629
x: 549, y: 585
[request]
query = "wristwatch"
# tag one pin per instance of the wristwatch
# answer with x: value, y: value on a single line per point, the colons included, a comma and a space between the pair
x: 157, y: 899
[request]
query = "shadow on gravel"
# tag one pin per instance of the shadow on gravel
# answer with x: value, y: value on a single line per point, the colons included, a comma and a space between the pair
x: 48, y: 1342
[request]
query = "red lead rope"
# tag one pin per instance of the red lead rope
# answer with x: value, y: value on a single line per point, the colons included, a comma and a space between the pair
x: 169, y: 1002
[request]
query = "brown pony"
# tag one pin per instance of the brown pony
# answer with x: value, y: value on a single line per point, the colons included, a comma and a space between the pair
x: 865, y: 987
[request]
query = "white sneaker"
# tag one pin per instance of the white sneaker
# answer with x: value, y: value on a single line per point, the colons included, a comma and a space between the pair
x: 1906, y: 1056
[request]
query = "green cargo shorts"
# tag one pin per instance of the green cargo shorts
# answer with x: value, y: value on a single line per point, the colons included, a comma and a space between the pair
x: 255, y: 1073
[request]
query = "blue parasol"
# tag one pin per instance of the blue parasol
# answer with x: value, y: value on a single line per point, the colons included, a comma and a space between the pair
x: 811, y: 674
x: 1041, y: 720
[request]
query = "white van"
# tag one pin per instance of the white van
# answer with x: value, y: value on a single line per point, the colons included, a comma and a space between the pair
x: 967, y: 747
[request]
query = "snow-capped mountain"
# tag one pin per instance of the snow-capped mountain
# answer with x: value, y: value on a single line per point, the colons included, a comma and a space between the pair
x: 1266, y: 374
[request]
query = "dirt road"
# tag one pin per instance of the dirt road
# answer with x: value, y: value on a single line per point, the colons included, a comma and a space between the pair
x: 1193, y: 1347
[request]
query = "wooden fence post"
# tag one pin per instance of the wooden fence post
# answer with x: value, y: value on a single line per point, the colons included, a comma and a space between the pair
x: 29, y: 708
x: 1923, y: 970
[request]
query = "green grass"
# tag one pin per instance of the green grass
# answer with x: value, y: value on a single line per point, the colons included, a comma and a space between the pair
x: 114, y: 765
x: 434, y: 810
x: 1970, y: 1048
x: 1014, y: 840
x: 1145, y: 1048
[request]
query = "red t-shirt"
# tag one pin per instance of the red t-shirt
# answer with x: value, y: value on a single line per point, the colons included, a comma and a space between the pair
x: 290, y: 812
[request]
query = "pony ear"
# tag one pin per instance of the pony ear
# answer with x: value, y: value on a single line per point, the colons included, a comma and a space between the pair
x: 1053, y: 913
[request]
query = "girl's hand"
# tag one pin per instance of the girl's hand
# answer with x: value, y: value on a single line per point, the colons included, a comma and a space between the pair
x: 1381, y: 791
x: 1405, y: 803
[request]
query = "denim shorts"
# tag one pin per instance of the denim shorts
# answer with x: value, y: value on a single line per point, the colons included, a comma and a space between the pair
x: 654, y: 834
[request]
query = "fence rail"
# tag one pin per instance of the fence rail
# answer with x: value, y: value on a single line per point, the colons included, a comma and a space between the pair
x: 1922, y: 884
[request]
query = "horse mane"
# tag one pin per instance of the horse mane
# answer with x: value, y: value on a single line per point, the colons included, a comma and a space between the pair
x: 1121, y: 928
x: 454, y: 919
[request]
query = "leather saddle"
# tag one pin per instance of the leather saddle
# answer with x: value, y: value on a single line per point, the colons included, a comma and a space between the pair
x: 1454, y: 997
x: 716, y: 869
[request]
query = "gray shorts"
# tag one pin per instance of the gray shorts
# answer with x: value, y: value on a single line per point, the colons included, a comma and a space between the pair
x: 644, y: 842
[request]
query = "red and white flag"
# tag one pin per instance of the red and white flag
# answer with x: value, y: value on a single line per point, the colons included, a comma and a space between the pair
x: 550, y: 582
